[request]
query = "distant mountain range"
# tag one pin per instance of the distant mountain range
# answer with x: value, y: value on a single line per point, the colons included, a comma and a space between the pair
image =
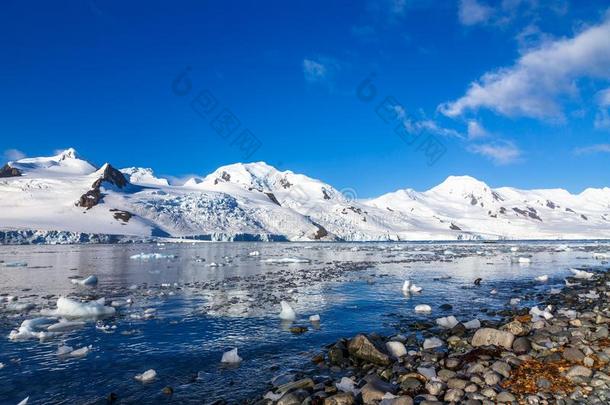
x: 64, y: 198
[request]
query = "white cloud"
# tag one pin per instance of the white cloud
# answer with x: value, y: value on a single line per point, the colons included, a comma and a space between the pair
x: 13, y: 154
x: 424, y: 125
x: 314, y: 71
x: 471, y: 12
x: 501, y: 153
x: 541, y: 78
x: 476, y: 130
x: 599, y: 148
x: 602, y: 117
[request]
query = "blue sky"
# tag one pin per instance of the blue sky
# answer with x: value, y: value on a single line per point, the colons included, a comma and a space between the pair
x: 516, y: 92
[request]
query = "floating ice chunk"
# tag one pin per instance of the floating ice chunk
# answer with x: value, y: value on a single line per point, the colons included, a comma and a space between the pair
x: 231, y: 357
x: 286, y: 260
x: 146, y: 376
x: 1, y: 366
x: 473, y: 324
x: 24, y: 402
x: 423, y: 308
x: 524, y: 260
x: 287, y: 312
x: 82, y: 352
x: 254, y: 253
x: 32, y: 329
x: 64, y: 350
x: 569, y: 284
x: 69, y: 308
x: 514, y: 249
x: 493, y: 291
x: 15, y: 264
x: 347, y: 385
x: 314, y: 318
x: 64, y: 326
x: 396, y: 349
x: 601, y: 256
x: 538, y: 313
x: 409, y: 287
x: 432, y: 343
x: 581, y: 274
x: 448, y: 252
x: 515, y: 301
x: 447, y: 322
x: 89, y: 281
x: 149, y: 256
x: 20, y: 307
x: 543, y: 279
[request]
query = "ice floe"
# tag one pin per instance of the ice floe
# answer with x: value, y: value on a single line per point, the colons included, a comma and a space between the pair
x: 35, y: 328
x: 89, y: 281
x: 287, y: 312
x: 231, y: 357
x: 409, y: 287
x: 314, y: 318
x: 70, y: 308
x: 149, y: 256
x: 285, y: 260
x: 543, y: 279
x: 146, y: 376
x: 423, y: 308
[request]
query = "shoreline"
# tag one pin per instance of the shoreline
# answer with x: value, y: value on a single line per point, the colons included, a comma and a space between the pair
x: 556, y: 352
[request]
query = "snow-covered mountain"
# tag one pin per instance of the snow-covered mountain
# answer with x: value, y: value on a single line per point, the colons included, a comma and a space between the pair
x: 65, y: 198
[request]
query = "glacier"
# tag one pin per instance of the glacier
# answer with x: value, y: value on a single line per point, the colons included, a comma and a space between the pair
x: 66, y: 199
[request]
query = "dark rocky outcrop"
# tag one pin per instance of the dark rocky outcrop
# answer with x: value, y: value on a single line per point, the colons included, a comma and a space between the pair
x: 93, y: 197
x: 454, y: 227
x: 8, y: 171
x: 120, y: 215
x: 273, y: 199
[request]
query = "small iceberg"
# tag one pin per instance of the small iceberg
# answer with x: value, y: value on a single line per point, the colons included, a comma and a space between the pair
x: 89, y: 281
x: 64, y: 350
x: 514, y: 249
x: 33, y: 329
x: 542, y: 279
x: 423, y: 308
x: 231, y: 357
x: 254, y: 253
x: 70, y: 308
x: 65, y: 326
x: 409, y: 287
x: 581, y: 274
x: 146, y: 376
x: 82, y: 352
x: 515, y: 301
x: 447, y: 322
x: 314, y: 319
x: 524, y: 260
x: 287, y: 313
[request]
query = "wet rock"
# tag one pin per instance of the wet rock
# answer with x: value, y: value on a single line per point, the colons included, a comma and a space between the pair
x: 362, y: 348
x: 492, y: 337
x: 412, y: 386
x: 396, y: 349
x: 343, y: 398
x: 375, y: 389
x: 505, y: 396
x: 522, y: 345
x: 501, y: 368
x: 167, y: 390
x: 293, y: 398
x: 337, y: 354
x: 299, y: 384
x: 573, y: 354
x: 579, y: 371
x: 453, y: 395
x: 297, y: 330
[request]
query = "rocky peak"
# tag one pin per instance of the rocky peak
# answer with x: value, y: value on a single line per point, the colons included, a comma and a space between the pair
x: 8, y: 171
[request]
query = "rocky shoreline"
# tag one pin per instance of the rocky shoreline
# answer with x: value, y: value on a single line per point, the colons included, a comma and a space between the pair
x: 557, y: 352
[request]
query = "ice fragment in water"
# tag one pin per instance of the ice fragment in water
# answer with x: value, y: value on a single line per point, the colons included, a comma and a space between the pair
x: 421, y: 308
x: 231, y: 357
x: 543, y: 279
x: 146, y: 376
x: 581, y: 274
x: 287, y: 312
x: 89, y: 281
x: 314, y: 318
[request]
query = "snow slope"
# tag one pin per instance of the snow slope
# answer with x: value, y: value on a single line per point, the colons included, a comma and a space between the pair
x: 255, y: 201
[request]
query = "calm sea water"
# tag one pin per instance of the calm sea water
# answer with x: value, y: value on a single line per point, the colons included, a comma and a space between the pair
x: 202, y: 310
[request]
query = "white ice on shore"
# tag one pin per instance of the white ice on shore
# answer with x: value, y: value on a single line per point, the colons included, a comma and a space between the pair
x: 396, y: 349
x: 538, y: 313
x: 432, y: 343
x: 89, y: 281
x: 146, y: 376
x: 447, y: 322
x: 473, y: 324
x: 347, y: 385
x: 231, y: 357
x: 581, y: 274
x: 287, y: 312
x: 422, y: 308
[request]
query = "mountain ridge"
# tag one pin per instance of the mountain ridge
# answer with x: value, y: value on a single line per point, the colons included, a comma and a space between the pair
x: 259, y: 200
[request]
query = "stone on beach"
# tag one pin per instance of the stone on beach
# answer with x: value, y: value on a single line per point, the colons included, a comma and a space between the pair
x: 362, y: 348
x: 492, y: 337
